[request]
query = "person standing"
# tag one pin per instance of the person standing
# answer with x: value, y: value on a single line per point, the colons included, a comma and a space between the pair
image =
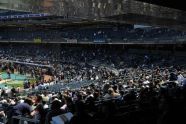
x: 8, y: 73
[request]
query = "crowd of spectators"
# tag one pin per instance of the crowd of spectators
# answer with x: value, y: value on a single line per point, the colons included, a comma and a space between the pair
x: 125, y: 87
x: 93, y: 34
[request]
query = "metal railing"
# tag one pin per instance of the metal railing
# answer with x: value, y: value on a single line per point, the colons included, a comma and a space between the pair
x: 24, y: 120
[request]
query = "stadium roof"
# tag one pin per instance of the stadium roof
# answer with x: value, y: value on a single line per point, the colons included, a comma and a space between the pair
x: 167, y: 3
x: 116, y: 11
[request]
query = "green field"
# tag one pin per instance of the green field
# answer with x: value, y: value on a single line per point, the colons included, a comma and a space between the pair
x: 17, y: 80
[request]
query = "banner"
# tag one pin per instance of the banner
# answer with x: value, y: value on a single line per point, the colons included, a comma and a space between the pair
x: 37, y: 40
x: 71, y: 40
x: 99, y: 41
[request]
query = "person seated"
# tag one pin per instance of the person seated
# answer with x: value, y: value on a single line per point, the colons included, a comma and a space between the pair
x: 80, y: 115
x: 55, y: 111
x: 21, y: 109
x: 38, y: 112
x: 111, y: 94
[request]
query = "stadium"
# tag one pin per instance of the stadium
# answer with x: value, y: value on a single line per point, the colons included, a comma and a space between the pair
x: 92, y: 62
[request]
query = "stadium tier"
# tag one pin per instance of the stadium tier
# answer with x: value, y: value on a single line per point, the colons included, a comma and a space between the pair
x: 94, y: 34
x: 92, y: 62
x: 121, y: 80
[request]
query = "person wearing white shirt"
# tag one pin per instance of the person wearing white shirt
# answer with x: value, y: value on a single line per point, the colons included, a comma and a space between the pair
x: 180, y: 78
x: 147, y: 80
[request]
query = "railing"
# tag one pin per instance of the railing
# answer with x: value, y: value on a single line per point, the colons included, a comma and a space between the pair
x: 3, y: 120
x: 145, y: 40
x: 26, y: 63
x: 24, y: 120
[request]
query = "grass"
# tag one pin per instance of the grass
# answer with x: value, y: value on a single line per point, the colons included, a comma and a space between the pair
x: 19, y: 82
x: 15, y: 84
